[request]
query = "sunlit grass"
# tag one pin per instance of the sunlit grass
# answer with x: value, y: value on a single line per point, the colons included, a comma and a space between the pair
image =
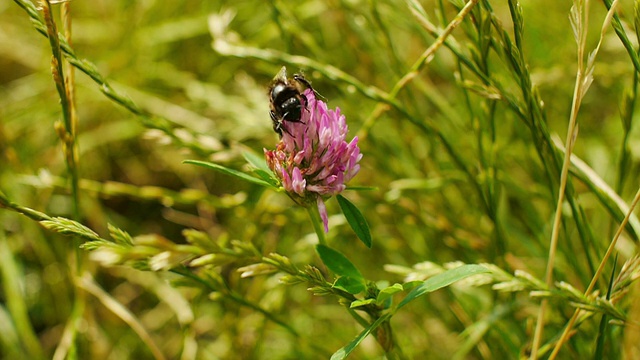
x: 464, y: 115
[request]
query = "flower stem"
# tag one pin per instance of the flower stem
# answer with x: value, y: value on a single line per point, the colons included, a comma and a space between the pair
x: 317, y: 224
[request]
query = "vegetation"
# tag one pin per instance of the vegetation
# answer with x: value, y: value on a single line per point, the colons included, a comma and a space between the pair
x: 492, y: 216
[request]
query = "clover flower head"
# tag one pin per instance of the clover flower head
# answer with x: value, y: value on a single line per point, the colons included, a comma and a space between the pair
x: 313, y: 161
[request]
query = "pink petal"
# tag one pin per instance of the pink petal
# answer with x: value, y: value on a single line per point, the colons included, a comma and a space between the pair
x: 322, y: 209
x: 286, y: 180
x: 298, y: 182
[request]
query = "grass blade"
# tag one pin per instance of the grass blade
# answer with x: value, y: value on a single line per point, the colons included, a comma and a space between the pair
x: 228, y: 171
x: 442, y: 280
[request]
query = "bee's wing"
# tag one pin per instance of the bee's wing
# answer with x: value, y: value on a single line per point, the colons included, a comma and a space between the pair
x: 282, y: 75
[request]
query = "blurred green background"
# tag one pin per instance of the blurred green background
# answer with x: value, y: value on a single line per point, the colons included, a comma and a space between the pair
x: 426, y: 205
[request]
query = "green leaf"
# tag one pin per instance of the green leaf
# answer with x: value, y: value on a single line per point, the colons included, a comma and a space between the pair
x: 267, y: 176
x: 411, y: 284
x: 228, y: 171
x: 260, y: 167
x: 346, y: 350
x: 256, y: 161
x: 349, y: 284
x: 338, y: 263
x: 388, y: 292
x: 356, y: 220
x: 441, y: 280
x: 358, y: 303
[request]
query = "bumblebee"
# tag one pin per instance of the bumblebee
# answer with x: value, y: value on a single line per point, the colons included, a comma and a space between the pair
x: 287, y: 101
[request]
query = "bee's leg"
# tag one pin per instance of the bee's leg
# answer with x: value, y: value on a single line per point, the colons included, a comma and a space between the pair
x: 301, y: 79
x: 277, y: 125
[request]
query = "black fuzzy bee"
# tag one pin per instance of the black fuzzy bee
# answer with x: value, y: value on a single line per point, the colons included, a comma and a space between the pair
x: 287, y: 100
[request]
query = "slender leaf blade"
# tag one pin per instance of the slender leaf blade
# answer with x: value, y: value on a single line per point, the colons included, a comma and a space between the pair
x: 442, y: 280
x: 267, y: 176
x: 344, y: 351
x: 228, y: 171
x: 256, y: 161
x: 356, y: 220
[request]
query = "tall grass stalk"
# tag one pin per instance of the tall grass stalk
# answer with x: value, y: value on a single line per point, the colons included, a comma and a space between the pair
x: 64, y: 85
x: 63, y: 75
x: 584, y: 78
x: 579, y: 19
x: 612, y: 245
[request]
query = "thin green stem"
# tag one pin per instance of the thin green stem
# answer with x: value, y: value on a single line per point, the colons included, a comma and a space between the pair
x: 601, y: 338
x: 362, y: 321
x: 64, y: 87
x: 67, y: 133
x: 314, y: 215
x: 30, y: 213
x: 72, y: 125
x: 583, y: 80
x: 570, y: 141
x: 627, y: 114
x: 384, y: 334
